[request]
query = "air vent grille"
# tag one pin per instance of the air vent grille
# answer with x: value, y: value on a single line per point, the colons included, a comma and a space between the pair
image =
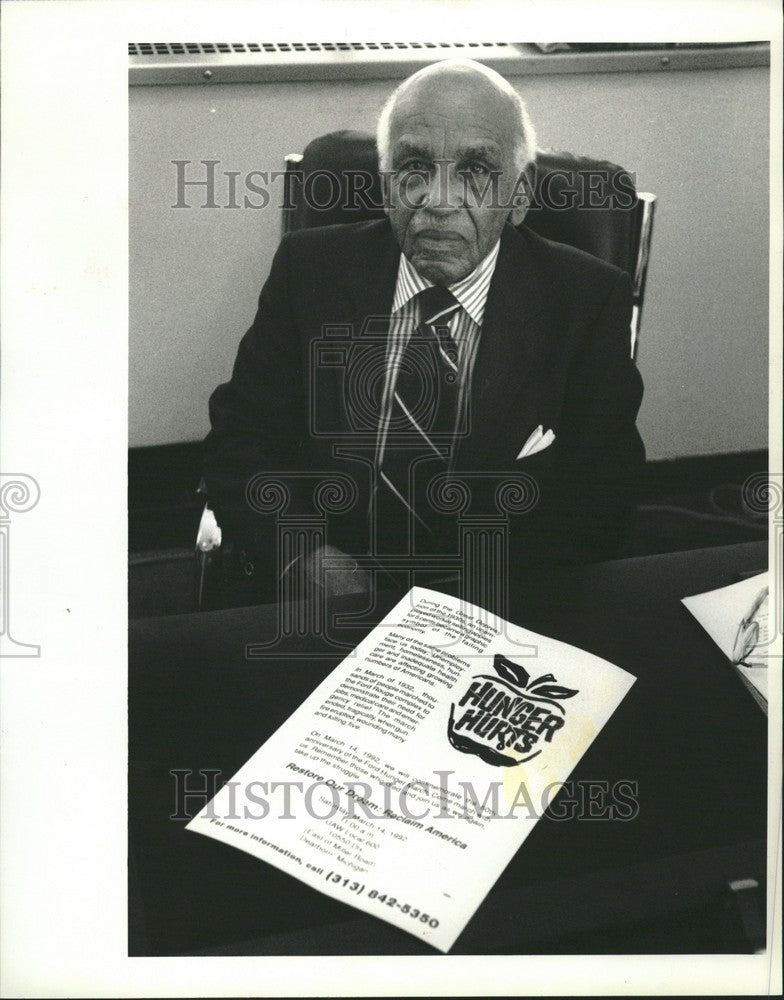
x: 250, y: 48
x: 212, y: 63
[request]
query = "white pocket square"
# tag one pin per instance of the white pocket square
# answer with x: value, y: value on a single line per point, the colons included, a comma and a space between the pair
x: 538, y: 441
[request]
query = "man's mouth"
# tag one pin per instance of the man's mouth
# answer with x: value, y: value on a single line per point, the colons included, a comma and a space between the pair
x: 436, y: 239
x: 438, y: 234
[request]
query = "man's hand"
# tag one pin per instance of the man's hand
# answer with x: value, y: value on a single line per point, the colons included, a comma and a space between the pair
x: 336, y: 573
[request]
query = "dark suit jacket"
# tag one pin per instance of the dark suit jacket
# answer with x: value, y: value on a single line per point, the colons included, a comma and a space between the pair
x: 554, y: 351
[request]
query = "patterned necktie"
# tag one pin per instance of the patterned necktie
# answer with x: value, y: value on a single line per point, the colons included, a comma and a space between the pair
x: 423, y: 412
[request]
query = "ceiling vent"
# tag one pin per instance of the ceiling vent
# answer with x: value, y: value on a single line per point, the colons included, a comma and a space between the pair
x: 208, y: 63
x: 249, y: 62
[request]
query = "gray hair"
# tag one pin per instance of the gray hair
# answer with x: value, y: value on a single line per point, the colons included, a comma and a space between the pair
x: 524, y: 142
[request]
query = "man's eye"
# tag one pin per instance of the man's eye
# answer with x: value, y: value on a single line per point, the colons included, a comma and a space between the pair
x: 477, y: 167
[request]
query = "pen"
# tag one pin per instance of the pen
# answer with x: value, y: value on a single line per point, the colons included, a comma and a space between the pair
x: 748, y: 632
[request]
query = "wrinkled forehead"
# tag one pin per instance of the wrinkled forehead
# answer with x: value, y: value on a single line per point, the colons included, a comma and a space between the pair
x: 438, y: 138
x: 457, y: 107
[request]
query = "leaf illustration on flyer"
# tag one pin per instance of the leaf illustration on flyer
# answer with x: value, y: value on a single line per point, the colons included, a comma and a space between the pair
x: 508, y: 718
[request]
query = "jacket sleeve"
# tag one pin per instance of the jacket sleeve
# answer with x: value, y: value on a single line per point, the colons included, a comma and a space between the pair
x: 258, y: 418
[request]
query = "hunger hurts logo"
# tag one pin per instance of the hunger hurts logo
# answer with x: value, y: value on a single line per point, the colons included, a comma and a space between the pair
x: 503, y: 719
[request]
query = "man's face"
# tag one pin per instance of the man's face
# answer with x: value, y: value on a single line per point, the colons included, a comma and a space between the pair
x: 451, y: 137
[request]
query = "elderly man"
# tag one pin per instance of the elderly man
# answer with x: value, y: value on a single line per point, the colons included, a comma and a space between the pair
x: 480, y: 351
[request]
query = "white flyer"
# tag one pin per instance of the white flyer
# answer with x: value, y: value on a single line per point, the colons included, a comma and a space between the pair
x: 405, y: 783
x: 736, y: 618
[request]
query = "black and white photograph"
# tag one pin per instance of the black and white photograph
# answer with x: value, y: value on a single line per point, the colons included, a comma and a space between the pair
x: 408, y: 508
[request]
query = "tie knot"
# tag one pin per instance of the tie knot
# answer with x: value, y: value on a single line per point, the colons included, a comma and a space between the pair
x: 437, y: 303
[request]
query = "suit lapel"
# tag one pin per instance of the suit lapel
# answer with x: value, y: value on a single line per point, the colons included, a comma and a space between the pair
x: 511, y: 348
x: 363, y: 301
x: 372, y: 275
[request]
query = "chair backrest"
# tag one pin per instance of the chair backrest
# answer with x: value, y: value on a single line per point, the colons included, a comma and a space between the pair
x: 334, y: 180
x: 593, y: 205
x: 589, y: 204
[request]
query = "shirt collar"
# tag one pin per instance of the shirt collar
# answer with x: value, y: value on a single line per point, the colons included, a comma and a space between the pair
x: 470, y: 292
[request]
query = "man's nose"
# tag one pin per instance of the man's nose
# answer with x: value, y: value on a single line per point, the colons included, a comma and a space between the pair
x: 443, y: 192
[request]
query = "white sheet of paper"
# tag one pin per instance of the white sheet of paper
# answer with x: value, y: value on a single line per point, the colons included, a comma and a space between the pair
x: 359, y: 792
x: 720, y: 612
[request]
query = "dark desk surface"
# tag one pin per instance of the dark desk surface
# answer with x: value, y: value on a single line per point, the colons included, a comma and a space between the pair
x: 688, y: 734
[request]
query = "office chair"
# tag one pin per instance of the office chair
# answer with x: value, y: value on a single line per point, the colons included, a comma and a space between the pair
x: 589, y: 204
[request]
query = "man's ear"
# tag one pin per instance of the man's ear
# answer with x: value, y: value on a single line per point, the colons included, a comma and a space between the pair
x: 523, y: 195
x: 519, y: 210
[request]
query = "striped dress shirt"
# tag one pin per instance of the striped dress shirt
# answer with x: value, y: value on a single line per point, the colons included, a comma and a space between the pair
x: 465, y: 328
